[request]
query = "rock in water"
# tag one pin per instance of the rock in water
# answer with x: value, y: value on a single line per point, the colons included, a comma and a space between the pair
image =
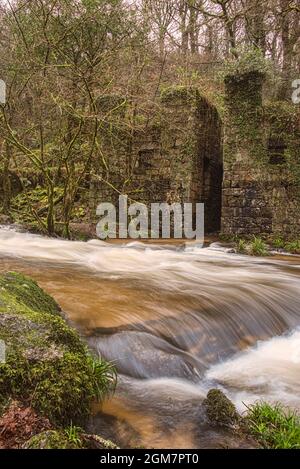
x: 219, y: 409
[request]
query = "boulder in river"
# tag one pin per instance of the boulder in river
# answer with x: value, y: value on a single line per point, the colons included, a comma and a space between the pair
x: 219, y: 409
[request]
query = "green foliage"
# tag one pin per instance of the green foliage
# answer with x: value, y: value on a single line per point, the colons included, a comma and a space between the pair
x: 187, y: 76
x: 274, y: 426
x: 293, y: 247
x: 36, y: 196
x: 36, y: 199
x: 71, y: 437
x: 258, y: 247
x: 241, y: 246
x: 278, y: 242
x: 103, y: 376
x: 61, y: 389
x: 78, y: 213
x: 73, y: 434
x: 255, y: 247
x: 248, y: 60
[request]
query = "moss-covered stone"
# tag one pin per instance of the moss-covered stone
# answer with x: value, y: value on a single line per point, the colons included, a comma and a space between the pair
x: 261, y: 160
x: 52, y: 439
x: 183, y: 93
x: 22, y: 291
x: 66, y: 439
x: 47, y: 365
x: 219, y: 409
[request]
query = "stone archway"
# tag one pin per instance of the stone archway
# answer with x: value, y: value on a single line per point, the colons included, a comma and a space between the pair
x: 177, y: 157
x: 209, y: 173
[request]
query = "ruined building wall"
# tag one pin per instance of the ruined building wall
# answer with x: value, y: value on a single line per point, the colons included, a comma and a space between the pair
x: 261, y: 190
x: 176, y: 158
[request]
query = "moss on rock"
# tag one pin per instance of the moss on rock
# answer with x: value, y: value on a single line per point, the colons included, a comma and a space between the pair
x: 47, y: 365
x: 219, y: 409
x: 52, y: 439
x: 67, y: 439
x: 22, y: 291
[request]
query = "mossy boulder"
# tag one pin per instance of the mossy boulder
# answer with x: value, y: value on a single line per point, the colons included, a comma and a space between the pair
x: 66, y: 439
x: 219, y: 409
x: 52, y: 439
x: 47, y: 365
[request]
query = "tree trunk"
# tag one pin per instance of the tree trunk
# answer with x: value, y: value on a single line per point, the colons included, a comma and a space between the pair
x: 184, y: 28
x: 50, y: 213
x: 6, y: 185
x: 193, y: 30
x: 284, y: 91
x: 255, y: 24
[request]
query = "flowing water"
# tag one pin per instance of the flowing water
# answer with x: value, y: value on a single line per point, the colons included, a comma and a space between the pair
x: 176, y: 320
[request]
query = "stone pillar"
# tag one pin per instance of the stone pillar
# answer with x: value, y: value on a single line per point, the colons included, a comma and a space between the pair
x: 244, y: 208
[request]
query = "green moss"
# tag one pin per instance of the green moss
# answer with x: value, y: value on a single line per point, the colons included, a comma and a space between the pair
x: 63, y: 388
x: 283, y: 119
x: 47, y: 365
x: 173, y: 93
x: 69, y: 438
x: 33, y: 198
x: 252, y: 127
x: 219, y: 409
x: 61, y: 333
x: 52, y: 439
x: 24, y: 291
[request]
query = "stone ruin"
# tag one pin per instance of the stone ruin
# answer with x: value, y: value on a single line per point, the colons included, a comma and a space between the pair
x: 245, y: 169
x: 261, y: 179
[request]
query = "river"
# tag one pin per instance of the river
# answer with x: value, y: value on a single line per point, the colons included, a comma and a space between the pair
x: 176, y: 321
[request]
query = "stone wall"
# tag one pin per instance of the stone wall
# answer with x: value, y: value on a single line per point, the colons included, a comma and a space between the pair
x: 261, y: 191
x: 175, y: 158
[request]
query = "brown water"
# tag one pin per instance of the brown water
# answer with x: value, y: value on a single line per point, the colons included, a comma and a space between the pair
x: 176, y: 321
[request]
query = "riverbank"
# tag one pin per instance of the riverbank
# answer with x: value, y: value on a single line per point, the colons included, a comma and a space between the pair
x: 48, y: 378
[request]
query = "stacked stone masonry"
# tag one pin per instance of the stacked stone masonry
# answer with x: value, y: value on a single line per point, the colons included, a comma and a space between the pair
x: 245, y: 170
